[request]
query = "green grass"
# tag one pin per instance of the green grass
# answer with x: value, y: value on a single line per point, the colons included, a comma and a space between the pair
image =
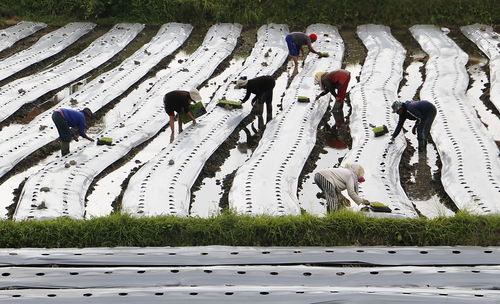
x: 256, y: 12
x: 337, y: 229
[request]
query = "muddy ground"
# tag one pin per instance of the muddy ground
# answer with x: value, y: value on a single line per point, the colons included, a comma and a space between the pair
x: 425, y: 184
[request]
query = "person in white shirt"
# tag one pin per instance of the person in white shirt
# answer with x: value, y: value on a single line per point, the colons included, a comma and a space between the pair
x: 334, y: 180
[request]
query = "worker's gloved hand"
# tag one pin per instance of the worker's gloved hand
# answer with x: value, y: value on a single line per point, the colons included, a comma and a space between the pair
x: 414, y: 130
x: 75, y: 137
x: 366, y: 202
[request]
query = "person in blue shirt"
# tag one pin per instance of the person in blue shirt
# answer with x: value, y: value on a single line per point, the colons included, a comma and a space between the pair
x: 422, y: 111
x: 65, y: 119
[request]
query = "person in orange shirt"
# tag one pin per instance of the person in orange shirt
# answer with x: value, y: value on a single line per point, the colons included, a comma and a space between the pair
x: 334, y: 82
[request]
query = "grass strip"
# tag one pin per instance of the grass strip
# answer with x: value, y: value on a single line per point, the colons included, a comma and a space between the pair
x: 255, y: 12
x: 337, y: 229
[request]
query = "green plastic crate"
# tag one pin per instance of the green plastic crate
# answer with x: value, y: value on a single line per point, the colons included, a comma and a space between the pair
x: 379, y: 131
x: 230, y: 103
x: 303, y: 99
x: 197, y: 109
x: 105, y: 141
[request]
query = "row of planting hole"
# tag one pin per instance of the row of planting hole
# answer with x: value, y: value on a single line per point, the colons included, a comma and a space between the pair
x: 241, y: 272
x: 486, y: 251
x: 143, y: 187
x: 262, y: 293
x: 47, y: 38
x: 455, y: 145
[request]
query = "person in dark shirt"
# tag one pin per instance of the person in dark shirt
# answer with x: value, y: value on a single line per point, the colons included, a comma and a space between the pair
x: 422, y: 111
x: 334, y: 82
x: 261, y: 86
x: 295, y: 41
x: 65, y: 119
x: 179, y: 101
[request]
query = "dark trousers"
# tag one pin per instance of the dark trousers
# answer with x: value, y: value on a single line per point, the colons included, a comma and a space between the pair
x: 424, y: 127
x: 65, y: 133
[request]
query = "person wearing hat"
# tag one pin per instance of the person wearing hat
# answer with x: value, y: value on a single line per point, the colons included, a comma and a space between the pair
x: 65, y: 119
x: 261, y: 86
x: 422, y: 111
x: 334, y: 82
x: 332, y: 181
x: 295, y: 41
x: 179, y: 101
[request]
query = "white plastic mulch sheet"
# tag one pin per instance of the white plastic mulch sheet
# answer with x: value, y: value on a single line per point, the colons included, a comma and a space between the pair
x: 471, y: 168
x: 67, y: 186
x: 485, y: 277
x: 225, y: 274
x: 14, y: 33
x: 371, y: 102
x: 243, y: 294
x: 28, y: 89
x: 488, y: 41
x: 45, y: 47
x: 162, y: 188
x: 240, y: 255
x: 96, y: 94
x: 267, y: 183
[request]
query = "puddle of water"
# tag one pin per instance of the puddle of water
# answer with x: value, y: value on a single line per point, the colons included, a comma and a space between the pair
x: 479, y: 79
x: 307, y: 195
x: 208, y: 196
x: 431, y: 207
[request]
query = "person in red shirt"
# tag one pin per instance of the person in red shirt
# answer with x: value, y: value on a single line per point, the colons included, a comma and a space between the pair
x: 178, y: 101
x: 334, y: 82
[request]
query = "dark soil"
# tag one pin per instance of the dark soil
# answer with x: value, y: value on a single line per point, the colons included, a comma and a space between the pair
x: 70, y: 51
x: 426, y: 184
x: 26, y: 42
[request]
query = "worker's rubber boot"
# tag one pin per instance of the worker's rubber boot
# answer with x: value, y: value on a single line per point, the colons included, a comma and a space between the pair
x: 64, y: 147
x: 422, y: 143
x: 337, y: 106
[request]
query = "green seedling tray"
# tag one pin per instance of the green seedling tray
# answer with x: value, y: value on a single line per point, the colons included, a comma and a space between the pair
x: 230, y: 103
x: 197, y: 109
x: 303, y: 99
x: 379, y: 207
x: 379, y: 131
x: 105, y: 141
x: 324, y: 54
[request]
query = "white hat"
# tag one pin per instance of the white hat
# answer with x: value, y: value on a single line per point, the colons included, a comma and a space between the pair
x: 241, y: 82
x: 317, y: 79
x: 195, y: 95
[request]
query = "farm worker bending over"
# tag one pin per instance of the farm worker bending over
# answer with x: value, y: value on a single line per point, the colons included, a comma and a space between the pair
x: 261, y: 86
x: 334, y: 180
x: 295, y: 41
x: 422, y: 111
x: 178, y: 101
x: 334, y: 82
x: 65, y: 119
